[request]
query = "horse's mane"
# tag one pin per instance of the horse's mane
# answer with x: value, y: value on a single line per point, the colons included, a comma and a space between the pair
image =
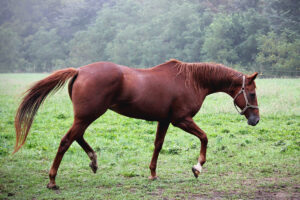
x: 207, y: 75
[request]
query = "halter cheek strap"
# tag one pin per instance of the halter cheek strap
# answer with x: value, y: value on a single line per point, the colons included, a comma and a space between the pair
x: 248, y: 105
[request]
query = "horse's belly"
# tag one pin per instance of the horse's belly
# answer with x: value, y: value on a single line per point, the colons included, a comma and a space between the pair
x: 151, y: 113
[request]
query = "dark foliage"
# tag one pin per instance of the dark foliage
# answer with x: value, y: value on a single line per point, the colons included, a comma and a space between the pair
x: 260, y: 35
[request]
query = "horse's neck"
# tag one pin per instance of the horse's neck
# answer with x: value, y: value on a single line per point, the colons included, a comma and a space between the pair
x: 206, y: 78
x: 220, y: 83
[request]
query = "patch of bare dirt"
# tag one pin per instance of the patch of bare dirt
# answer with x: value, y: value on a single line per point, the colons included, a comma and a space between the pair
x: 278, y: 191
x: 158, y: 192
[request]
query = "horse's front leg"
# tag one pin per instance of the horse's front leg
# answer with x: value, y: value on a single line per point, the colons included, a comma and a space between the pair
x: 189, y: 126
x: 161, y: 131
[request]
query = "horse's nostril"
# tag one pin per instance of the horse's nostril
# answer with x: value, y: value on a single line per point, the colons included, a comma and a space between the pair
x: 257, y: 120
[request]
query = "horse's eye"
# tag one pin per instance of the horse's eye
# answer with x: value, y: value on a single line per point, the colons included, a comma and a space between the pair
x: 252, y: 95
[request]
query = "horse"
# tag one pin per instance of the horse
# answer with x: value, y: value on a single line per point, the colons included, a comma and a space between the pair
x: 171, y: 92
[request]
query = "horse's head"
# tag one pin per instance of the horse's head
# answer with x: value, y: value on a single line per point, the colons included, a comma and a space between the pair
x: 245, y: 99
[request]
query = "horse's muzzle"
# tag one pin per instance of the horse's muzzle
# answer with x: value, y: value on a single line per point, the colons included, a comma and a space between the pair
x: 253, y: 120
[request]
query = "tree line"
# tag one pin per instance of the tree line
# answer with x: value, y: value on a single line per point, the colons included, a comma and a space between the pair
x: 256, y: 35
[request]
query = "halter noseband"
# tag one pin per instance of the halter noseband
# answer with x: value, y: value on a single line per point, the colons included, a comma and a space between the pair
x: 248, y: 105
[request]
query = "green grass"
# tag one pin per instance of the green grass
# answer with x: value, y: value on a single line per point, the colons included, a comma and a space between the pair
x: 242, y: 161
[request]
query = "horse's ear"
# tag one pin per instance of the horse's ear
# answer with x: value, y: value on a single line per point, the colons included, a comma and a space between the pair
x: 253, y: 76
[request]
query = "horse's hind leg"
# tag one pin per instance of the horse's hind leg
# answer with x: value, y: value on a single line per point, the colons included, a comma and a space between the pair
x: 74, y: 132
x: 90, y: 152
x: 162, y: 128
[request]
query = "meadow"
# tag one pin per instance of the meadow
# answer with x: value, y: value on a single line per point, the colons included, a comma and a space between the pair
x: 261, y: 162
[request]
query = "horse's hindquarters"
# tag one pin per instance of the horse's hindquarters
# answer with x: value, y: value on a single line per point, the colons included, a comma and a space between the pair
x: 94, y: 90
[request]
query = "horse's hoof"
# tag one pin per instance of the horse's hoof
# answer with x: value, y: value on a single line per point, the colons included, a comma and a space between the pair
x: 153, y: 178
x: 196, y: 172
x: 93, y: 167
x: 52, y: 186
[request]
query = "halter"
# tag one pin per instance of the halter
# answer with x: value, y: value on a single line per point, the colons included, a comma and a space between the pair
x: 248, y: 105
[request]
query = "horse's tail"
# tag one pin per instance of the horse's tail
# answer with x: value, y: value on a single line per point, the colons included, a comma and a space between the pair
x: 34, y: 98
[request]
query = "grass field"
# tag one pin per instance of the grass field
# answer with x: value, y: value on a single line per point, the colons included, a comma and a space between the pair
x: 261, y: 162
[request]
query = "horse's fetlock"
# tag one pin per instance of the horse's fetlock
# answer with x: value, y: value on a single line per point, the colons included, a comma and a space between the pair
x: 92, y: 155
x: 152, y: 167
x: 52, y: 175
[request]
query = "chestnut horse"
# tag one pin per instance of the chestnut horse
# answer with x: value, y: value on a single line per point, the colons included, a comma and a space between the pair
x: 172, y: 92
